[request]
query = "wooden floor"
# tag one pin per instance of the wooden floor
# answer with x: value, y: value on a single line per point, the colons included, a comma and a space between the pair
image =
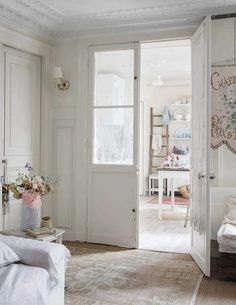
x: 167, y: 235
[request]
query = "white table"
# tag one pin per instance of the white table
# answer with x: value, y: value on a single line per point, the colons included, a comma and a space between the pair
x: 57, y: 236
x: 172, y: 174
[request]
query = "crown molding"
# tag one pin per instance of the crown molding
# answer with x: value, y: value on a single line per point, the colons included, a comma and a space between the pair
x: 39, y: 20
x: 169, y: 8
x: 106, y: 30
x: 29, y: 16
x: 39, y: 8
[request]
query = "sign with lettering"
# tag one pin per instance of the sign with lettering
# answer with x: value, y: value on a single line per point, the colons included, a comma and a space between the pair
x: 223, y: 107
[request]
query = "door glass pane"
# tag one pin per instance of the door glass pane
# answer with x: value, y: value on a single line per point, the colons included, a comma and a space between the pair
x: 114, y: 78
x: 113, y: 136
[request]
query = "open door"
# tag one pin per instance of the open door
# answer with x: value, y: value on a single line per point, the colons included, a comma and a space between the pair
x: 113, y: 144
x: 200, y: 198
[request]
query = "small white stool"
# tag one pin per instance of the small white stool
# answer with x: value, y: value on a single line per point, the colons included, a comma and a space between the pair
x: 151, y: 184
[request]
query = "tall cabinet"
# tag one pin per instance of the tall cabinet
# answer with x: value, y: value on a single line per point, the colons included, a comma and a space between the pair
x: 20, y: 90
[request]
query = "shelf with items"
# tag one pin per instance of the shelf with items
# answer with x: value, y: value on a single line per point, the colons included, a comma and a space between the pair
x: 176, y: 138
x: 184, y: 139
x: 181, y: 105
x: 180, y: 121
x: 180, y: 132
x: 183, y: 132
x: 181, y: 111
x: 182, y: 102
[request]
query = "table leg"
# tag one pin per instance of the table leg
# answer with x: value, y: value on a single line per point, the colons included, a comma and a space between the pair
x: 186, y: 217
x: 59, y: 239
x: 168, y: 187
x: 160, y: 197
x: 149, y: 186
x: 172, y: 193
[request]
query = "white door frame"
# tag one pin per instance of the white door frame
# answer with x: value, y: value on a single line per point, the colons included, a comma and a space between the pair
x: 89, y: 130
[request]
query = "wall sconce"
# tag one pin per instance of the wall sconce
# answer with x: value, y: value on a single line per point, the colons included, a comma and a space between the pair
x: 62, y: 84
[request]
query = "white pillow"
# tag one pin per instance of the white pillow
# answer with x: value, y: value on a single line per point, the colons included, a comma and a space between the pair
x: 230, y: 208
x: 7, y: 255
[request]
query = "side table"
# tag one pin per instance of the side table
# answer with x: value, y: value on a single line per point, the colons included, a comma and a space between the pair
x: 55, y: 237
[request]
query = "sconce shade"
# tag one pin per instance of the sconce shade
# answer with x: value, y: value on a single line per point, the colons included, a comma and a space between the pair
x: 57, y: 73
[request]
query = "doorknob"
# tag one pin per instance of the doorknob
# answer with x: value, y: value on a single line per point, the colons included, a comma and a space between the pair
x: 201, y: 175
x: 5, y: 192
x: 4, y: 162
x: 212, y: 176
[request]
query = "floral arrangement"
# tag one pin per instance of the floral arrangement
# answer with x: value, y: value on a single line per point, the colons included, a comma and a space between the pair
x: 30, y: 188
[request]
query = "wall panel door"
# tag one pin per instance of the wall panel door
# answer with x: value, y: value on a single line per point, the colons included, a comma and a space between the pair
x: 22, y: 118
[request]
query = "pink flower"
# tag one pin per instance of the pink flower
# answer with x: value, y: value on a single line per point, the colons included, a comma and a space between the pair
x: 31, y: 199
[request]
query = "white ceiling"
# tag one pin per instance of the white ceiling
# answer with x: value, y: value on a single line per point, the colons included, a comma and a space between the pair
x: 57, y: 19
x: 170, y: 60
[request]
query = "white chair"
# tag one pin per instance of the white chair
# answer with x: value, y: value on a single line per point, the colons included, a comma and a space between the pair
x: 151, y: 184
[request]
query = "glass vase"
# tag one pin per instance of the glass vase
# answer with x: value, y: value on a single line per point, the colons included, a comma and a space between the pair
x: 30, y: 217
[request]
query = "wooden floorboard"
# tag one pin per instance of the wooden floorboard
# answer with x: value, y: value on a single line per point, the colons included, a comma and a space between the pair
x: 166, y: 235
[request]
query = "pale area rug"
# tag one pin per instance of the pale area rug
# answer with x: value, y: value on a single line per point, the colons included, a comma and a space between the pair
x: 179, y: 200
x: 103, y: 275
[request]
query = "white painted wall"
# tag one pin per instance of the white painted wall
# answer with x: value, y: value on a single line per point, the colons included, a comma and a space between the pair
x: 223, y: 161
x: 65, y: 137
x: 70, y: 115
x: 71, y: 106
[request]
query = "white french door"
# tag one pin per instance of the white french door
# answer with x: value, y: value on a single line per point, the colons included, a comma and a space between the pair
x: 200, y: 166
x: 113, y: 144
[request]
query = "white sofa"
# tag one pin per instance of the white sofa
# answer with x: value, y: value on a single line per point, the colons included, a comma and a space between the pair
x: 218, y: 196
x: 37, y: 278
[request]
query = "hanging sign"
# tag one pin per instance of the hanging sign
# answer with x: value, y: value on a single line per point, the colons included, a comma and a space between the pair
x: 223, y: 107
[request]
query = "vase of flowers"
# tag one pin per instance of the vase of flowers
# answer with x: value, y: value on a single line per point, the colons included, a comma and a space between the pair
x: 29, y: 189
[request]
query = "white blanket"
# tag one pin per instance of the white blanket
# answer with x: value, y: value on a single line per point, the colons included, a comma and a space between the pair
x: 41, y: 254
x: 24, y: 285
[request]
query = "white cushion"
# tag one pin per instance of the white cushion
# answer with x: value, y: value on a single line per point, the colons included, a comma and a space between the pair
x: 229, y: 231
x: 230, y: 209
x: 226, y: 244
x: 7, y: 255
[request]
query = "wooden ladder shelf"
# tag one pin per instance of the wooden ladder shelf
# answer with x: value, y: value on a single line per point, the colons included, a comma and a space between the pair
x: 154, y: 125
